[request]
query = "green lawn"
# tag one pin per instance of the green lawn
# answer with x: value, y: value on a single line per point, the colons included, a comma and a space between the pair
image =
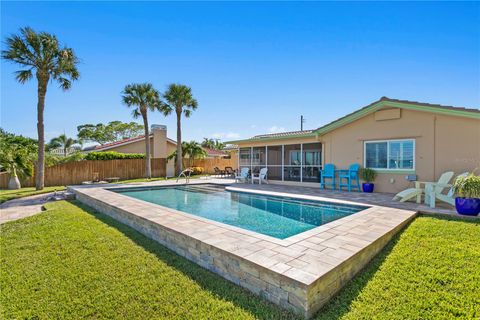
x: 70, y: 262
x: 24, y: 192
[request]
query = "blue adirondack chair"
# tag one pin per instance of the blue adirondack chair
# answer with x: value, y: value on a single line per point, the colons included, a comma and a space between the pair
x: 328, y: 172
x: 350, y: 176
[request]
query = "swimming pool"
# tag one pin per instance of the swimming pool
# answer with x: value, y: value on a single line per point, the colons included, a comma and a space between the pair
x: 279, y: 217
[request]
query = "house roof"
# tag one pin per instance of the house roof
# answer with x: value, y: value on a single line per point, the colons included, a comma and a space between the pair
x: 283, y: 134
x: 397, y: 103
x: 106, y: 146
x: 372, y: 107
x: 114, y: 144
x: 214, y: 152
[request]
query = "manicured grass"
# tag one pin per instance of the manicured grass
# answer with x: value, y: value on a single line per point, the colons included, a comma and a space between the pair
x: 430, y: 271
x: 6, y: 195
x: 70, y: 262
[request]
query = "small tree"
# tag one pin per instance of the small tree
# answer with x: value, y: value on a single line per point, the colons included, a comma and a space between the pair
x: 111, y: 132
x: 143, y: 97
x: 16, y: 161
x: 64, y: 142
x: 212, y: 144
x: 208, y: 143
x: 192, y: 150
x: 179, y: 98
x: 41, y: 53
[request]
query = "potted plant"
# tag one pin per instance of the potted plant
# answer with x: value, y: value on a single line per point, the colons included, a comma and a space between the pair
x: 368, y: 175
x: 467, y: 191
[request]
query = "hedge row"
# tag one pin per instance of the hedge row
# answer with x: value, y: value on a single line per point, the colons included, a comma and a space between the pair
x: 113, y: 155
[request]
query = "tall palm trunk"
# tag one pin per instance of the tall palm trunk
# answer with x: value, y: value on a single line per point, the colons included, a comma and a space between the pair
x: 42, y: 91
x: 148, y: 168
x: 178, y: 164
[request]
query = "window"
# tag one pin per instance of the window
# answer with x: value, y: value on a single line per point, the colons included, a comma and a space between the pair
x: 390, y: 154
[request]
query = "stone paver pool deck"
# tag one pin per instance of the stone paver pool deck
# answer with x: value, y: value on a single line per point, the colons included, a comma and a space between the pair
x: 300, y: 273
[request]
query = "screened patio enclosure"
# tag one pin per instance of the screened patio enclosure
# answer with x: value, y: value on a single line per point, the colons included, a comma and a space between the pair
x: 288, y: 162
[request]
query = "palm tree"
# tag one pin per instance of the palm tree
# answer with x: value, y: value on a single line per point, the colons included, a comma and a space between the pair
x: 208, y: 143
x: 144, y: 97
x: 193, y: 150
x: 213, y: 144
x: 219, y: 145
x: 179, y: 98
x: 40, y: 53
x: 64, y: 142
x: 16, y: 161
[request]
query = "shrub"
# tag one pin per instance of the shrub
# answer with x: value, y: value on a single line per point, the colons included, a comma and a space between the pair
x: 368, y: 175
x: 467, y: 187
x: 113, y: 155
x: 197, y: 170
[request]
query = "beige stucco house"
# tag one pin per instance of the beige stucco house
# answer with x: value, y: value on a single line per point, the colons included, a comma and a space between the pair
x: 401, y: 140
x: 160, y: 145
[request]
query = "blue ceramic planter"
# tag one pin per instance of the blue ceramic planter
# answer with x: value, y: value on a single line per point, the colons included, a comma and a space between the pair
x: 467, y: 206
x: 368, y: 187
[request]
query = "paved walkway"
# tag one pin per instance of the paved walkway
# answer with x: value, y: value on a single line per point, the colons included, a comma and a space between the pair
x: 21, y: 208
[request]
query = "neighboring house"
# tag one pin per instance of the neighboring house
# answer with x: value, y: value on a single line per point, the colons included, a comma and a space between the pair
x: 213, y: 153
x: 401, y: 140
x: 161, y: 147
x: 61, y: 151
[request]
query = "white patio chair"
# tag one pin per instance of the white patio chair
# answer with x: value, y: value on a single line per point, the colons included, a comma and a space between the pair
x: 243, y: 176
x: 261, y: 176
x: 417, y: 192
x: 433, y: 192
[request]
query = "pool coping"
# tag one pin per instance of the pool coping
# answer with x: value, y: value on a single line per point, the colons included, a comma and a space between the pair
x: 300, y: 272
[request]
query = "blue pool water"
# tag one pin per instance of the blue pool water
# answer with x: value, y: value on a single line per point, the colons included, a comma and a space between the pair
x: 278, y: 217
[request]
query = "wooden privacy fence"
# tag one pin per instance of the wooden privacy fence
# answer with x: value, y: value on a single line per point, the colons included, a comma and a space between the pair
x: 210, y: 163
x: 78, y: 171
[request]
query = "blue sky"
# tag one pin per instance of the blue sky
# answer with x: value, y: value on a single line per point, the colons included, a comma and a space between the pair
x: 253, y: 67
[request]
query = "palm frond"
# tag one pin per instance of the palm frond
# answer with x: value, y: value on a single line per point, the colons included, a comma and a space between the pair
x: 23, y: 76
x: 64, y: 83
x: 143, y: 96
x: 136, y: 113
x: 40, y: 51
x: 179, y: 97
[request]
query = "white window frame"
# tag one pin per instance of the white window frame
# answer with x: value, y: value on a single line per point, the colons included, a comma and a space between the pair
x: 388, y: 153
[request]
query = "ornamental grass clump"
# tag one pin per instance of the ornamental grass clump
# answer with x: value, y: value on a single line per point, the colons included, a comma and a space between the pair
x: 467, y: 187
x: 368, y: 175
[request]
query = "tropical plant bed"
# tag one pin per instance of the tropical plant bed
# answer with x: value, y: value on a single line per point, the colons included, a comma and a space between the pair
x: 6, y: 195
x: 70, y: 262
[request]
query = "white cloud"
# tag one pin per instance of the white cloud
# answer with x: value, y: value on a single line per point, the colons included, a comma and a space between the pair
x: 225, y: 135
x: 276, y: 129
